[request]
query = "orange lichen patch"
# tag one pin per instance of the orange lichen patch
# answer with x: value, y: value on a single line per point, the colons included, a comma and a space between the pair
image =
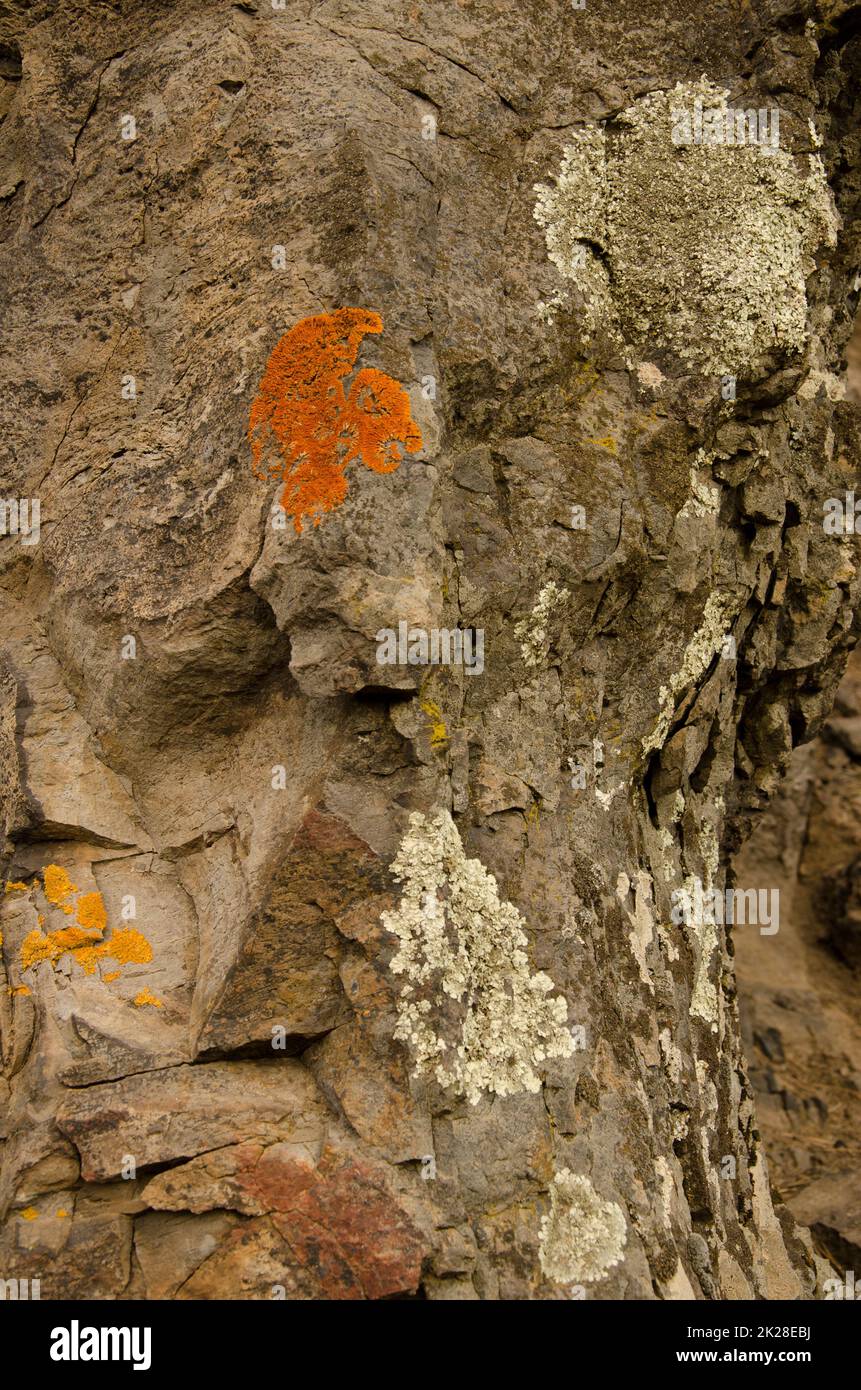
x: 29, y: 1213
x: 16, y: 887
x: 58, y: 885
x: 62, y: 1212
x: 146, y: 997
x: 21, y: 991
x: 111, y: 975
x: 319, y: 429
x: 91, y: 913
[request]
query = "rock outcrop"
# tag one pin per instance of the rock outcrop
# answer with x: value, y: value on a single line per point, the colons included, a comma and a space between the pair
x: 407, y: 718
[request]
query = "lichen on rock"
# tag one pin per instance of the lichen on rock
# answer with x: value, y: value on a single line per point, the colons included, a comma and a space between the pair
x: 582, y: 1236
x: 702, y: 648
x: 459, y: 939
x: 318, y: 428
x: 532, y: 633
x: 699, y: 249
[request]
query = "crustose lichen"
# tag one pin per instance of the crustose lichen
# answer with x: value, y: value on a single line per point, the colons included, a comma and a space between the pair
x: 460, y: 942
x: 696, y: 249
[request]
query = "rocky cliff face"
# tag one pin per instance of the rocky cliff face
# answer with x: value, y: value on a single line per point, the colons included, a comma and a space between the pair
x: 799, y: 986
x: 343, y: 955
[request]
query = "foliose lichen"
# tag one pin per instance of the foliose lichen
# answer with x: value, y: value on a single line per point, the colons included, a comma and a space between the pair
x: 582, y: 1236
x: 316, y: 427
x: 460, y: 942
x: 532, y: 632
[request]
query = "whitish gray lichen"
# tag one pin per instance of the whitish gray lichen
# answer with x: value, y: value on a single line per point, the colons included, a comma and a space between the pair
x: 582, y: 1236
x: 460, y: 942
x: 699, y: 249
x: 703, y: 646
x: 532, y: 632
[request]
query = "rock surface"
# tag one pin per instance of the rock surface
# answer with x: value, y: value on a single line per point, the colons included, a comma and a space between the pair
x: 799, y: 988
x: 195, y: 722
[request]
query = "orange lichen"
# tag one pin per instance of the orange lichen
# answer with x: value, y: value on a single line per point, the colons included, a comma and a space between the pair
x: 58, y: 885
x: 62, y: 1212
x: 146, y: 997
x: 16, y: 887
x: 318, y: 428
x: 29, y: 1213
x: 21, y: 991
x: 111, y: 975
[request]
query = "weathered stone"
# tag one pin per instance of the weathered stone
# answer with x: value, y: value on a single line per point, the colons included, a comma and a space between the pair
x: 157, y: 1117
x: 617, y: 480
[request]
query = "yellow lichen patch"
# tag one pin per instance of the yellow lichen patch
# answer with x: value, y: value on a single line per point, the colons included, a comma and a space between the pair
x: 111, y: 975
x: 21, y: 991
x: 91, y: 912
x: 62, y: 1212
x: 16, y: 887
x: 71, y: 939
x: 128, y: 946
x: 146, y: 997
x: 58, y: 885
x: 87, y: 958
x: 29, y: 1213
x: 83, y: 941
x: 436, y: 729
x: 607, y: 442
x: 34, y: 949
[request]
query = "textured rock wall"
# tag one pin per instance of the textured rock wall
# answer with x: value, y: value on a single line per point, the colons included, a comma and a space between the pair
x: 799, y: 988
x: 389, y: 997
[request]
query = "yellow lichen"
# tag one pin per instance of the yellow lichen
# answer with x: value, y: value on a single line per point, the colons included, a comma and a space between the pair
x: 62, y: 1212
x: 128, y: 946
x: 111, y: 975
x: 29, y: 1213
x: 91, y: 912
x: 83, y: 941
x: 34, y: 949
x: 146, y: 997
x: 16, y: 887
x: 437, y: 729
x: 58, y: 885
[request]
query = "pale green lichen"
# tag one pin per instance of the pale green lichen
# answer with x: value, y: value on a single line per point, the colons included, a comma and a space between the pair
x: 705, y: 497
x: 705, y: 1001
x: 532, y: 632
x: 703, y: 646
x: 460, y: 942
x: 698, y: 249
x: 583, y: 1235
